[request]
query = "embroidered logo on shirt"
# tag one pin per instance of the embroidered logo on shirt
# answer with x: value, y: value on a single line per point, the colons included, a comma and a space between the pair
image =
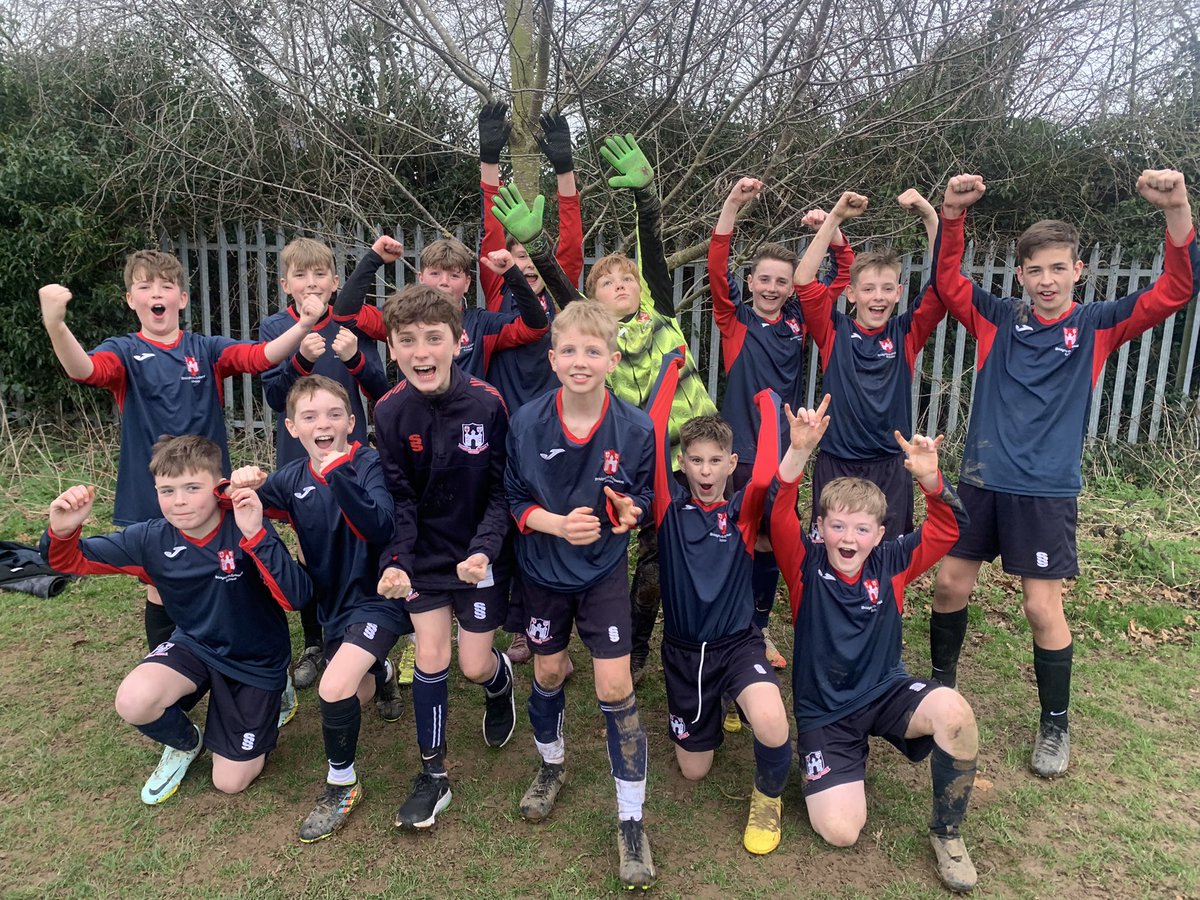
x: 473, y: 440
x: 142, y: 357
x: 872, y: 586
x: 225, y: 558
x: 794, y: 325
x: 679, y: 728
x: 550, y: 454
x: 887, y: 345
x: 1021, y: 329
x: 723, y: 522
x: 300, y: 495
x: 174, y: 552
x: 612, y: 461
x: 1070, y: 337
x: 538, y: 630
x: 193, y: 367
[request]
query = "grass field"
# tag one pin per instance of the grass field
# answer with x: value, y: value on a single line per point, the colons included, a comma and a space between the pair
x: 1125, y: 823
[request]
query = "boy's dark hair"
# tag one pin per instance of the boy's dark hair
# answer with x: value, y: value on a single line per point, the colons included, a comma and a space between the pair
x: 590, y: 317
x: 421, y: 303
x: 706, y: 428
x: 510, y: 242
x: 774, y: 251
x: 171, y: 457
x: 614, y: 262
x: 854, y: 495
x: 447, y: 253
x: 151, y: 264
x: 875, y: 259
x: 311, y: 384
x: 304, y: 253
x: 1047, y: 233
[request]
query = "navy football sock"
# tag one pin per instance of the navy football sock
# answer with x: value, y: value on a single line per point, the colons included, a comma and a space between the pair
x: 159, y: 625
x: 771, y: 767
x: 1053, y: 671
x: 952, y: 782
x: 627, y: 753
x: 546, y: 712
x: 501, y: 681
x: 341, y: 721
x: 172, y: 728
x: 764, y: 579
x: 312, y: 627
x: 946, y: 633
x: 431, y: 696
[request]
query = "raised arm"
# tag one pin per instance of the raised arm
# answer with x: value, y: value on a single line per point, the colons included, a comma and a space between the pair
x: 849, y: 206
x: 724, y: 305
x: 494, y: 129
x: 71, y: 355
x: 928, y: 309
x: 524, y: 223
x: 806, y: 428
x: 953, y: 288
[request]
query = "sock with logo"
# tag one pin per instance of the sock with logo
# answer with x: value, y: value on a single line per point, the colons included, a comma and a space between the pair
x: 431, y: 696
x: 159, y: 625
x: 1053, y: 671
x: 771, y: 767
x: 946, y: 633
x: 953, y: 780
x: 172, y: 728
x: 627, y: 751
x: 764, y: 580
x: 501, y: 681
x: 546, y: 712
x: 341, y: 721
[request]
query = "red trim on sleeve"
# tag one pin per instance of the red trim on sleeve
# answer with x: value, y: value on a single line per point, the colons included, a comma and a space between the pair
x: 521, y: 526
x: 733, y: 332
x: 569, y: 252
x: 844, y: 254
x: 242, y: 359
x: 816, y: 302
x: 248, y: 544
x: 108, y: 373
x: 65, y: 555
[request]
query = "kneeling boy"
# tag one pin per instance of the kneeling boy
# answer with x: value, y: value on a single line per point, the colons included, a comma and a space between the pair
x: 711, y: 646
x: 848, y: 683
x: 337, y: 501
x: 225, y: 580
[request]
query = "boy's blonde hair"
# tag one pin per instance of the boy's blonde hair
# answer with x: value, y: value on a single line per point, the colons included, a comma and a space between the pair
x: 614, y: 262
x: 419, y: 303
x: 588, y: 317
x: 304, y: 253
x: 171, y: 457
x: 151, y: 264
x: 854, y: 495
x: 875, y: 259
x: 310, y: 385
x: 447, y: 253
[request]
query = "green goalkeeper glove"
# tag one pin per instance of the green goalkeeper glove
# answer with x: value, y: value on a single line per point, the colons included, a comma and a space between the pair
x: 624, y: 155
x: 520, y: 220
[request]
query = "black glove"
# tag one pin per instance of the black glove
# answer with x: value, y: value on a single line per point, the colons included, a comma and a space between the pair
x: 494, y: 129
x: 556, y: 143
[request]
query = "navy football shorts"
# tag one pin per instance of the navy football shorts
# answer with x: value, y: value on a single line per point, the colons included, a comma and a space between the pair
x: 601, y: 614
x: 1034, y: 536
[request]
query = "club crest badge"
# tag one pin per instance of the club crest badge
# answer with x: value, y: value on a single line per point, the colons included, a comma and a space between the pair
x: 538, y: 630
x: 193, y: 367
x: 679, y: 728
x: 473, y: 440
x: 872, y: 586
x: 612, y: 462
x: 887, y: 345
x: 723, y: 522
x: 814, y: 766
x: 793, y: 324
x: 1070, y: 337
x: 225, y: 558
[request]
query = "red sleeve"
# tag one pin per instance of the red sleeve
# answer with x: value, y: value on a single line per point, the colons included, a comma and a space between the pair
x: 493, y: 239
x: 569, y: 252
x: 1169, y: 293
x: 952, y: 286
x: 660, y: 415
x: 733, y: 332
x: 369, y: 321
x: 108, y: 373
x: 515, y: 334
x: 766, y: 463
x: 66, y: 556
x: 845, y: 259
x: 928, y: 313
x: 945, y: 519
x: 787, y: 539
x: 268, y: 579
x: 243, y: 358
x: 816, y: 302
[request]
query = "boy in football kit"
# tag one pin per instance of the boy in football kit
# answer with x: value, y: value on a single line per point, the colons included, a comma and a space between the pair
x: 762, y: 348
x: 225, y: 579
x: 639, y: 295
x: 446, y: 264
x: 711, y: 647
x: 441, y: 438
x: 307, y: 270
x: 523, y: 372
x: 580, y: 463
x: 165, y: 381
x: 867, y: 360
x: 1021, y: 473
x: 848, y: 681
x: 336, y: 500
